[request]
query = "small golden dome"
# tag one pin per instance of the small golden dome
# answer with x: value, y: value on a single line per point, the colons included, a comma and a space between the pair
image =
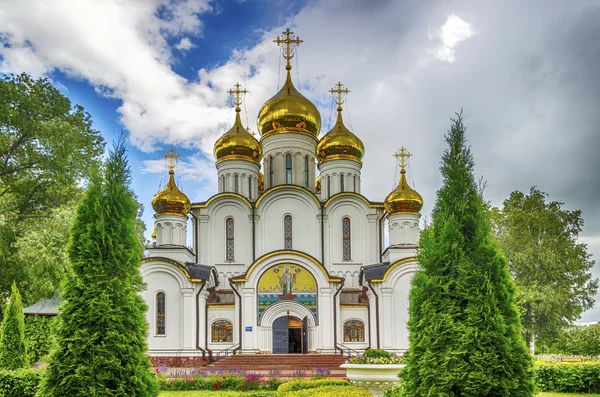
x: 340, y: 143
x: 171, y: 200
x: 403, y: 199
x: 318, y: 184
x: 237, y: 144
x: 261, y: 182
x: 289, y: 111
x: 153, y: 235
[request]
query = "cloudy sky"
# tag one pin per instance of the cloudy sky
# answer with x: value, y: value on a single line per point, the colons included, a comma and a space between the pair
x: 525, y: 73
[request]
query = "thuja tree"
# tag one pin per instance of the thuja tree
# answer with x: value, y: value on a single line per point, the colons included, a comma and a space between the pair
x: 465, y: 334
x: 101, y: 327
x: 13, y: 349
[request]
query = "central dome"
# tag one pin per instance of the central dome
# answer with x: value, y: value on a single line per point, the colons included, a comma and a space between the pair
x: 289, y: 111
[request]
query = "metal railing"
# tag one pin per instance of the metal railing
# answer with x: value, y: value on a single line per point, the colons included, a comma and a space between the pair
x: 217, y: 355
x: 346, y: 351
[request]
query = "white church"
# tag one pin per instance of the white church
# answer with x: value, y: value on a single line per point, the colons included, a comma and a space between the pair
x: 285, y: 258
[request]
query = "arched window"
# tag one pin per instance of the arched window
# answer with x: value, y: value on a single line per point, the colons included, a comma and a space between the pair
x: 250, y: 187
x: 160, y: 314
x: 328, y: 186
x: 229, y: 251
x: 346, y: 240
x: 236, y: 184
x: 222, y: 331
x: 354, y: 183
x: 271, y: 172
x: 342, y: 183
x: 306, y: 172
x: 287, y: 232
x: 288, y: 169
x: 354, y: 331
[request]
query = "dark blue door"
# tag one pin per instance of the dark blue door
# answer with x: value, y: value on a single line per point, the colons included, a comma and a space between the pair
x: 281, y: 336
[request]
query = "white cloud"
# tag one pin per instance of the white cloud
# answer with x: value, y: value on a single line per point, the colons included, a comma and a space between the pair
x: 185, y: 44
x: 454, y: 31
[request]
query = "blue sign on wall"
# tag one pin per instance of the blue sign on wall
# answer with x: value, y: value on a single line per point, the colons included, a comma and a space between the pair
x: 248, y: 328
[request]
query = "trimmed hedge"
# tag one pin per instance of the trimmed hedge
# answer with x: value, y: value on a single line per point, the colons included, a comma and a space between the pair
x: 19, y: 383
x: 568, y: 377
x: 38, y: 336
x: 295, y: 385
x: 330, y: 391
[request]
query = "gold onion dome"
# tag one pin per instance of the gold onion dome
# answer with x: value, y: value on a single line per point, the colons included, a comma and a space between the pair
x: 237, y: 143
x: 261, y: 182
x: 171, y: 200
x: 289, y: 110
x: 403, y: 199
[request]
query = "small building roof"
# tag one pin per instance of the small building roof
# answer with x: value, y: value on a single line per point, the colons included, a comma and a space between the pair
x: 372, y: 272
x: 44, y: 307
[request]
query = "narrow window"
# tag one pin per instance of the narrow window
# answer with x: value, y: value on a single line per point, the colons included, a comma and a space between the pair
x: 222, y: 331
x: 342, y: 183
x: 306, y: 172
x: 236, y: 184
x: 346, y: 241
x: 160, y: 314
x: 287, y: 232
x: 354, y: 331
x: 250, y: 187
x: 229, y: 254
x: 271, y: 172
x: 288, y: 169
x: 354, y: 183
x: 328, y: 186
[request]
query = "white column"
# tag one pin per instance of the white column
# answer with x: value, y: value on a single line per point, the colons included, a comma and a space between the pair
x: 373, y: 326
x: 386, y: 318
x: 249, y: 320
x: 189, y: 318
x: 326, y: 317
x: 202, y: 317
x: 372, y: 239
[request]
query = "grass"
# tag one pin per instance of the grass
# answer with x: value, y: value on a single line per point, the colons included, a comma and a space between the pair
x: 206, y: 393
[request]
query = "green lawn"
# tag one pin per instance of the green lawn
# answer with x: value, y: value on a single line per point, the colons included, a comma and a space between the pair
x: 236, y: 394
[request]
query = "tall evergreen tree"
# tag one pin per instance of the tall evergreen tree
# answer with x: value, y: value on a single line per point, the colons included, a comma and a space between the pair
x: 13, y: 349
x: 101, y: 330
x: 465, y: 334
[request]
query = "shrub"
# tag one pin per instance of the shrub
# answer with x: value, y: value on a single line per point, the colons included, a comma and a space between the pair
x: 19, y: 383
x: 568, y: 377
x: 377, y: 358
x: 377, y: 353
x: 13, y: 348
x: 330, y: 391
x: 295, y: 385
x: 38, y: 336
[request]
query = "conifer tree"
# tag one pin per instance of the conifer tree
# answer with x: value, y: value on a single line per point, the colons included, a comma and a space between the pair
x: 101, y: 330
x: 13, y: 349
x: 465, y: 334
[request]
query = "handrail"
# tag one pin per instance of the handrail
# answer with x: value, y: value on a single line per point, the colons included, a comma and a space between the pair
x: 228, y: 351
x: 351, y: 352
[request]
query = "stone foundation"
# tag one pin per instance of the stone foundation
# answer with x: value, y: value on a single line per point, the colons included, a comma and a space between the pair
x: 182, y: 362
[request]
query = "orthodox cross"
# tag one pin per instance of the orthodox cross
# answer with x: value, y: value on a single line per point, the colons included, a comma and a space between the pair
x: 288, y: 41
x: 339, y: 91
x: 402, y: 155
x: 172, y: 158
x: 236, y: 95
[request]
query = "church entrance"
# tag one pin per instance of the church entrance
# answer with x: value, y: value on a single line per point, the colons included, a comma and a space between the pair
x: 289, y: 335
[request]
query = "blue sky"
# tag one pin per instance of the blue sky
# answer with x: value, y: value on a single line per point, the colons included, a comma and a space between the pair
x: 525, y: 74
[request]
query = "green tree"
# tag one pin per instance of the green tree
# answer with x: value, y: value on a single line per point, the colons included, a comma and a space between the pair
x: 101, y: 329
x: 551, y: 268
x: 465, y: 334
x: 47, y: 147
x: 13, y: 349
x: 578, y: 339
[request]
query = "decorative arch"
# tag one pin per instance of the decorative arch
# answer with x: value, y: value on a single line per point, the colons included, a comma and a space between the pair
x: 282, y: 309
x: 272, y: 190
x: 407, y: 265
x: 354, y: 330
x: 219, y: 196
x: 337, y: 196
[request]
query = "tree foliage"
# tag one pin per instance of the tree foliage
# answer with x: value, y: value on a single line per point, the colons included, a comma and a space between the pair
x: 550, y: 267
x: 101, y: 328
x: 579, y: 340
x: 465, y: 335
x: 13, y: 349
x: 47, y: 146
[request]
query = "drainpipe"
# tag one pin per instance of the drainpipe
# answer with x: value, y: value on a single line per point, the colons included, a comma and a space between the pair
x: 376, y: 311
x: 235, y: 291
x: 380, y: 237
x: 253, y: 233
x: 322, y: 237
x: 335, y: 315
x: 369, y: 317
x: 195, y: 222
x: 198, y: 322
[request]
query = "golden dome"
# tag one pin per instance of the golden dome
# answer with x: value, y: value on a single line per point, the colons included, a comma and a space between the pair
x: 153, y: 235
x: 261, y: 182
x: 171, y: 200
x: 237, y: 144
x: 318, y: 184
x: 289, y: 111
x: 340, y: 143
x: 403, y: 199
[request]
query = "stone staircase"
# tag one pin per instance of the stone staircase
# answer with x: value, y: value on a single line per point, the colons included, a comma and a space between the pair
x: 288, y: 365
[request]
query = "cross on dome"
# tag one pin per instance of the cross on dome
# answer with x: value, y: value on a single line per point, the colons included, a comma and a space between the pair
x: 288, y: 41
x: 339, y: 91
x: 236, y: 95
x: 402, y: 155
x: 171, y: 157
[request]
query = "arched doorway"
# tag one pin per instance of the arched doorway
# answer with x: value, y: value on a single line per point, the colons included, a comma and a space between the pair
x: 290, y: 335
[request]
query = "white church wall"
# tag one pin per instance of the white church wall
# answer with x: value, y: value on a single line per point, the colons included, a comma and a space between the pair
x: 213, y: 246
x: 356, y: 210
x: 354, y: 313
x: 221, y: 313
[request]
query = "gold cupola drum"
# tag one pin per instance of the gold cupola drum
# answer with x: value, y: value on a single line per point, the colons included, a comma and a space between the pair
x: 288, y: 110
x: 171, y: 200
x: 237, y: 143
x: 340, y: 143
x: 404, y: 199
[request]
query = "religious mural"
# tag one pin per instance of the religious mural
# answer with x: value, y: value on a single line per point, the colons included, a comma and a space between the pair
x: 287, y: 283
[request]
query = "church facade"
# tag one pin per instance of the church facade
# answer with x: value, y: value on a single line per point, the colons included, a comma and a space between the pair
x: 289, y: 256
